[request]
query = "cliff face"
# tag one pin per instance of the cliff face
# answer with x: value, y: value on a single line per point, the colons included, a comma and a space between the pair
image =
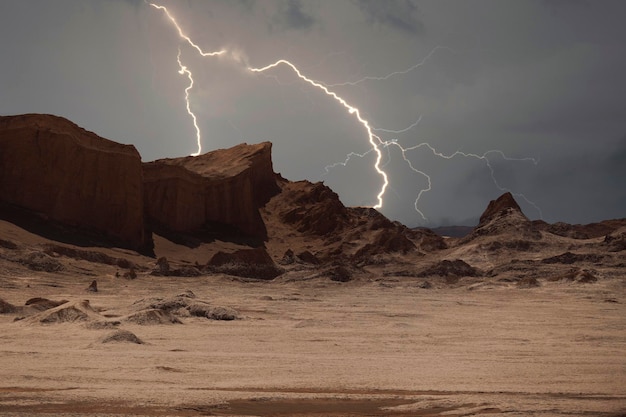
x: 225, y: 186
x: 51, y: 166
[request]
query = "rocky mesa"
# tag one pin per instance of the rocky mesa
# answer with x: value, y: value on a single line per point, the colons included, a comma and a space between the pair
x: 226, y: 187
x: 55, y: 170
x: 61, y: 172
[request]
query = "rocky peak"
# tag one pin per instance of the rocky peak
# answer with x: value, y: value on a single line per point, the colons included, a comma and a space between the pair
x: 503, y: 216
x: 503, y: 205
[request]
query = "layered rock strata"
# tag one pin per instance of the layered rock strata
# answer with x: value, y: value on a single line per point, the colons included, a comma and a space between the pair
x: 57, y: 170
x: 226, y: 186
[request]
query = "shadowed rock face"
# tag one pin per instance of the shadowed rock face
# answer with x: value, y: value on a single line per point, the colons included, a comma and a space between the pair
x: 52, y: 167
x: 225, y: 186
x: 313, y: 208
x: 502, y: 205
x: 504, y: 216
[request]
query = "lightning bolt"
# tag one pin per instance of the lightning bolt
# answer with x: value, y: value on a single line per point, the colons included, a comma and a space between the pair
x: 377, y: 144
x: 182, y: 71
x: 182, y: 34
x: 482, y: 157
x: 394, y: 73
x: 372, y: 138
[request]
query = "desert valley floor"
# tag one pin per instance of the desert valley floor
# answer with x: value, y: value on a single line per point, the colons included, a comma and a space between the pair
x: 370, y: 347
x: 210, y: 285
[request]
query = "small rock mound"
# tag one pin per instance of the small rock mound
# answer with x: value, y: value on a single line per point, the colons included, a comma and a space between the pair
x: 151, y: 317
x: 39, y: 261
x: 121, y: 336
x: 223, y: 313
x: 571, y: 258
x: 582, y: 276
x: 164, y: 269
x: 528, y: 282
x: 339, y: 273
x: 304, y: 257
x: 7, y: 244
x: 70, y: 312
x: 616, y: 241
x: 308, y: 258
x: 447, y: 268
x: 42, y: 304
x: 93, y: 287
x: 7, y: 308
x: 247, y: 263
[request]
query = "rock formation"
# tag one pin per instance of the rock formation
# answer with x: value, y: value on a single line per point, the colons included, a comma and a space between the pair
x: 504, y: 216
x: 226, y: 187
x: 249, y: 263
x: 501, y: 206
x: 55, y: 169
x: 312, y: 208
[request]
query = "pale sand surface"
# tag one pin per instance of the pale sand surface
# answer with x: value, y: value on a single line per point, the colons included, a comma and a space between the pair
x: 322, y: 348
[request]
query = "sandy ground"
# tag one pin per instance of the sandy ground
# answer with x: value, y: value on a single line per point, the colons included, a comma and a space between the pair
x: 364, y: 348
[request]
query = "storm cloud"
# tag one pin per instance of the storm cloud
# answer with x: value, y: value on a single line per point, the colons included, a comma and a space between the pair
x: 540, y: 80
x: 398, y: 14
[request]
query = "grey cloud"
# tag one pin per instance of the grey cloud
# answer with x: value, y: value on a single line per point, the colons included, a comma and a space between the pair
x: 291, y: 15
x: 397, y: 14
x: 517, y: 77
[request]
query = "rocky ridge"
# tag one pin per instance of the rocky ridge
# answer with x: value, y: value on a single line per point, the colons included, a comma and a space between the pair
x: 226, y: 212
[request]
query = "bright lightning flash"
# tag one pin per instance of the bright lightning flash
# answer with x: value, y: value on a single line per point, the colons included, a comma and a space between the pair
x: 374, y: 140
x: 182, y: 71
x: 352, y: 110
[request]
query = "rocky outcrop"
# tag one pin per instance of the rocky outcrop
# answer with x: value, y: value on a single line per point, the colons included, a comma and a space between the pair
x: 224, y: 187
x: 581, y: 231
x: 503, y: 205
x: 248, y: 263
x: 55, y: 169
x: 313, y: 208
x: 504, y: 216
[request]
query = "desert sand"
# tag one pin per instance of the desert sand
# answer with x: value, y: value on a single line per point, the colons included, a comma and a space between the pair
x: 303, y: 344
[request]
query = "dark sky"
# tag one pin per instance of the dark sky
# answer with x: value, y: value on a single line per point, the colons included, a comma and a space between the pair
x: 542, y: 81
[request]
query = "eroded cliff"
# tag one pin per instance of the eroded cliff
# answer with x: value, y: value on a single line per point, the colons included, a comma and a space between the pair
x: 55, y: 169
x: 226, y: 186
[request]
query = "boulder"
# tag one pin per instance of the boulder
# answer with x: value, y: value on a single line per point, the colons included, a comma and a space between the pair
x: 121, y: 336
x: 226, y: 186
x: 55, y: 169
x: 247, y: 263
x: 68, y: 312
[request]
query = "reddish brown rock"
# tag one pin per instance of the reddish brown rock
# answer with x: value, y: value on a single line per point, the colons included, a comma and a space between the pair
x: 249, y: 263
x: 502, y: 205
x: 313, y: 208
x: 54, y: 168
x: 225, y: 186
x: 504, y: 217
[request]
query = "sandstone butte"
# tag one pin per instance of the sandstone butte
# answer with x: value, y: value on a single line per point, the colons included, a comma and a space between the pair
x: 59, y: 171
x: 226, y: 186
x: 54, y: 169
